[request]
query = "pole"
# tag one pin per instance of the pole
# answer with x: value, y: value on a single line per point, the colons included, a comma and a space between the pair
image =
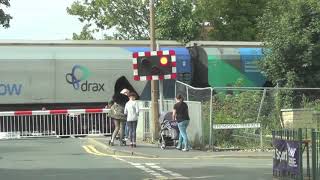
x: 154, y: 83
x: 161, y: 107
x: 261, y: 103
x: 211, y: 143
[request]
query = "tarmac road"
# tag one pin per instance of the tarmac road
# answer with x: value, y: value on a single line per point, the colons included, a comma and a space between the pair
x: 79, y: 159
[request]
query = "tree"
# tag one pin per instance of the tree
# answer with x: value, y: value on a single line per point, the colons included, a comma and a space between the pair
x: 85, y: 34
x: 176, y: 20
x: 290, y: 30
x: 231, y: 20
x: 130, y: 19
x: 4, y: 18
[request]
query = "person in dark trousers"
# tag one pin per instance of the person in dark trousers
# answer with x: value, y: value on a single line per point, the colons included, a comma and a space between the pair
x: 180, y: 113
x: 118, y: 117
x: 132, y: 111
x: 126, y: 129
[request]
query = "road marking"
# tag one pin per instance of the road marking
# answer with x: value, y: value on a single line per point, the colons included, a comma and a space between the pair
x: 143, y: 168
x: 164, y: 158
x: 89, y: 150
x: 165, y: 171
x: 151, y: 169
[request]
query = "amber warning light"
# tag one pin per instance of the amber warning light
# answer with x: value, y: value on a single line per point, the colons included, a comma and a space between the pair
x: 164, y: 61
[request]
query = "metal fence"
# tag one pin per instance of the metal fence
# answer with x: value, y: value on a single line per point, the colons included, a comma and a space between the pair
x: 296, y: 154
x: 316, y: 155
x: 272, y: 107
x: 77, y: 122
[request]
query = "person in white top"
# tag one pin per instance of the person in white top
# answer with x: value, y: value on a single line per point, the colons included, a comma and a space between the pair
x: 132, y: 111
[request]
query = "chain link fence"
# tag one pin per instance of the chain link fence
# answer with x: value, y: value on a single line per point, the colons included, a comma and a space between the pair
x: 273, y: 108
x: 204, y: 96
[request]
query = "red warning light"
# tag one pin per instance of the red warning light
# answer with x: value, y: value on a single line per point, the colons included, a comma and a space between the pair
x: 164, y: 61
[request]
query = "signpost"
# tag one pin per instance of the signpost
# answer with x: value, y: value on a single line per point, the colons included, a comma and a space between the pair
x: 241, y: 126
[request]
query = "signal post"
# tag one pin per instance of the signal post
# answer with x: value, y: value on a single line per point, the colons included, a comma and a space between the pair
x: 154, y: 66
x: 154, y: 83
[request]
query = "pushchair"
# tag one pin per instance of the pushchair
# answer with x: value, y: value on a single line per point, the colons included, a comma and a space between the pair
x: 169, y: 132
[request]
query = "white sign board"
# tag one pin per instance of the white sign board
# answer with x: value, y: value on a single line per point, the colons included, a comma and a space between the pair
x: 236, y: 126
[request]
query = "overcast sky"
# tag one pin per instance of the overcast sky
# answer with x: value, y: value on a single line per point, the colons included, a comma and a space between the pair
x: 40, y: 20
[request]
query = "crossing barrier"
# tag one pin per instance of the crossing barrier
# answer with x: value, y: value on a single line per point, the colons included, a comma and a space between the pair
x: 64, y: 122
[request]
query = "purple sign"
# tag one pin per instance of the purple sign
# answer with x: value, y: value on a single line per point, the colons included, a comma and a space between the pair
x: 286, y: 156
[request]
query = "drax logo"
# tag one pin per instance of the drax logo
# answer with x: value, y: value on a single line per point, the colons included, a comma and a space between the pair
x: 78, y: 78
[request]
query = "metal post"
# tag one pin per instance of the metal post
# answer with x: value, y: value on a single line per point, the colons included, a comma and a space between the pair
x: 175, y: 88
x: 261, y: 140
x: 211, y: 120
x: 262, y: 100
x: 154, y: 83
x: 300, y: 176
x: 314, y: 151
x: 160, y: 88
x: 187, y: 91
x: 161, y: 95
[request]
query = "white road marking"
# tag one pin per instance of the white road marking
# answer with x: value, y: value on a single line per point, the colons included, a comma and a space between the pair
x: 142, y: 167
x: 152, y: 168
x: 165, y: 171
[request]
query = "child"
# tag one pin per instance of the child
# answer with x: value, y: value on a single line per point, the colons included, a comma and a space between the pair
x: 132, y: 111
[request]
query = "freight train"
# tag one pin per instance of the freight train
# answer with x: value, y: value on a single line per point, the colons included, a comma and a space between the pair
x: 85, y: 74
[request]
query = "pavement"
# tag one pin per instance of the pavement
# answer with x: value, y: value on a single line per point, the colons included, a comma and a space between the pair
x: 148, y: 150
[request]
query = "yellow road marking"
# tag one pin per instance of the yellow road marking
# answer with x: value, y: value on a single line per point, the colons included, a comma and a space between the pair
x: 135, y: 156
x: 92, y: 150
x: 89, y: 150
x: 98, y: 153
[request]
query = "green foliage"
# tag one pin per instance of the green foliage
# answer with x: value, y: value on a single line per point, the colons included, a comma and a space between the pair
x: 4, y: 18
x: 85, y: 34
x: 291, y: 30
x: 130, y: 19
x: 238, y: 108
x: 232, y: 20
x: 176, y: 20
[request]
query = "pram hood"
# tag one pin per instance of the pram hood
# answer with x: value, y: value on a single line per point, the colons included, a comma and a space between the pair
x: 166, y: 122
x: 165, y: 116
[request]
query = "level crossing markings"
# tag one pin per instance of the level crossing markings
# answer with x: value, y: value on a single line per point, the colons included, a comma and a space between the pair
x: 154, y: 166
x: 150, y: 168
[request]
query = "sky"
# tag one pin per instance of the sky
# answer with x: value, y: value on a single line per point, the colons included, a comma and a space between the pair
x: 40, y: 20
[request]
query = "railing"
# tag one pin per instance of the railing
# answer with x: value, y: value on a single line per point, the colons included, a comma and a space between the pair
x: 316, y: 155
x: 292, y: 158
x: 76, y: 122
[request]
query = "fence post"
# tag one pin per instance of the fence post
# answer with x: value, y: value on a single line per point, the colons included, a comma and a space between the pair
x: 261, y: 140
x: 314, y: 152
x: 300, y: 154
x: 211, y: 138
x: 274, y: 133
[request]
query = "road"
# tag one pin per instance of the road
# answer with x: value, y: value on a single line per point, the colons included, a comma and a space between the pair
x: 76, y: 159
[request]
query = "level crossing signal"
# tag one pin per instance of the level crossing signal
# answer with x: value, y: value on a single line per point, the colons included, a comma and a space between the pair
x: 154, y: 65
